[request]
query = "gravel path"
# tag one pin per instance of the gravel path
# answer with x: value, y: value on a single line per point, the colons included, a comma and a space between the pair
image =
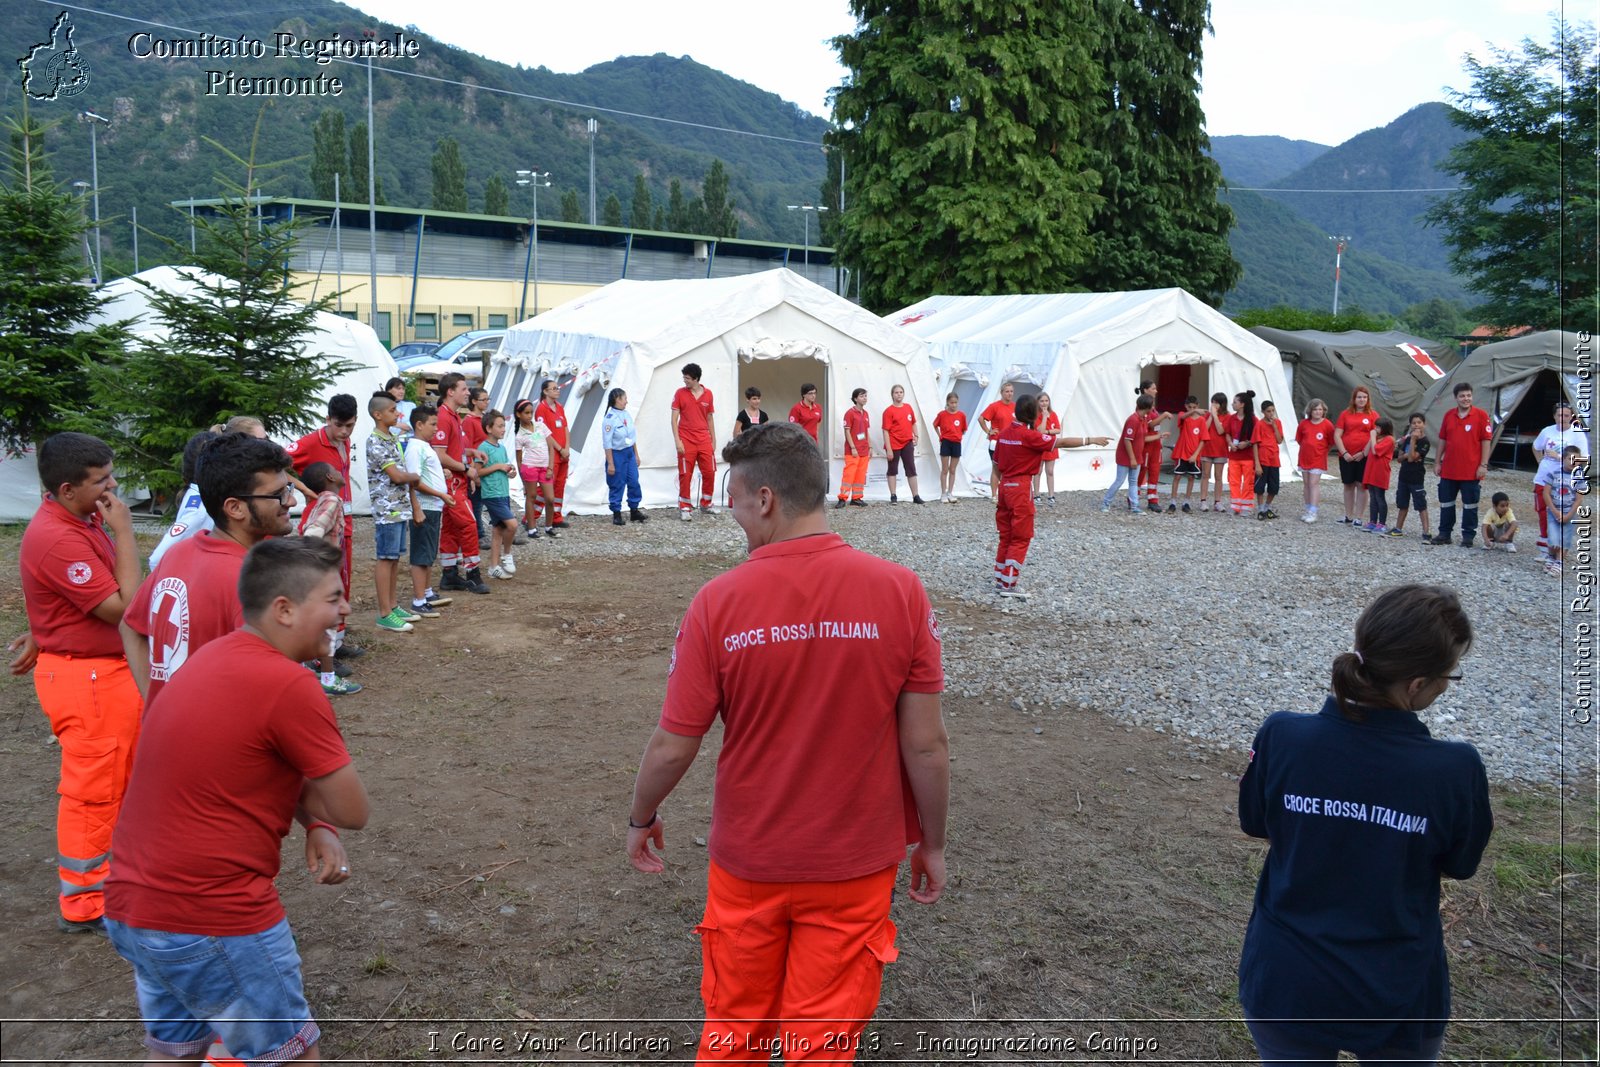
x: 1200, y: 625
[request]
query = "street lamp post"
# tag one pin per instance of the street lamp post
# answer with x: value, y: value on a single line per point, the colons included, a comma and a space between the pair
x: 1340, y: 242
x: 94, y: 179
x: 372, y: 199
x: 534, y: 178
x: 807, y: 208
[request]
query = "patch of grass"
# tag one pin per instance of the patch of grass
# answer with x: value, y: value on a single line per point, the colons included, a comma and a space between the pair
x: 1525, y: 866
x: 379, y: 964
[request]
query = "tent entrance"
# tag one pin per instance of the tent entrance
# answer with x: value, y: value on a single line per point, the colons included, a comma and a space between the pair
x: 1176, y: 382
x: 779, y: 381
x: 1528, y: 406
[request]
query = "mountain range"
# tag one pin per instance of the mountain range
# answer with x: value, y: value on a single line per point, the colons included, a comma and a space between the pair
x: 507, y: 118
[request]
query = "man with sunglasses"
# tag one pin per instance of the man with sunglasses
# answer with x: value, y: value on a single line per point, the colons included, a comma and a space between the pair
x: 192, y: 597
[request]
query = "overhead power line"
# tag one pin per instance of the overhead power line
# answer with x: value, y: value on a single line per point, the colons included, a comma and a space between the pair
x: 1443, y: 189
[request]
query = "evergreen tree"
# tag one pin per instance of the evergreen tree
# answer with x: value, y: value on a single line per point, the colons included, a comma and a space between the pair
x: 1524, y: 225
x: 45, y: 348
x: 659, y: 223
x: 642, y: 212
x: 717, y: 216
x: 358, y: 167
x: 1160, y: 223
x: 828, y: 197
x: 963, y: 129
x: 235, y: 345
x: 611, y: 211
x: 678, y: 216
x: 496, y: 196
x: 329, y: 157
x: 571, y: 209
x: 449, y: 177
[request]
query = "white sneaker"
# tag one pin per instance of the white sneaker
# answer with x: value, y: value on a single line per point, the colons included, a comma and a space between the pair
x: 508, y: 565
x: 1509, y: 546
x: 709, y: 509
x: 685, y: 514
x: 1308, y: 517
x: 499, y: 572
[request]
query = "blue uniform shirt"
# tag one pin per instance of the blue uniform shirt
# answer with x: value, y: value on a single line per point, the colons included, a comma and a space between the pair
x: 617, y: 430
x: 1364, y: 819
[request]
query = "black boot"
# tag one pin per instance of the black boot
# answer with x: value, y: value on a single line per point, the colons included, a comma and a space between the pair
x: 635, y: 515
x: 617, y: 519
x: 475, y: 582
x: 452, y: 579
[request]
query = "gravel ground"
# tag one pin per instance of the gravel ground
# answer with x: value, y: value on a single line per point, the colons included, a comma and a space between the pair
x: 1200, y: 625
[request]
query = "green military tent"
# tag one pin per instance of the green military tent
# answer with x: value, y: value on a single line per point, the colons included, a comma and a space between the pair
x: 1397, y: 368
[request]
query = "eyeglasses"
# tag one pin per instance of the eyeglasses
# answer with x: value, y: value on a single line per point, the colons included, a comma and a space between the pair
x: 284, y: 497
x: 1451, y: 677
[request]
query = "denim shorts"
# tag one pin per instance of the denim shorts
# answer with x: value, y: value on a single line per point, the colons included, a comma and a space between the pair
x: 499, y: 509
x: 391, y: 538
x: 244, y: 990
x: 425, y: 539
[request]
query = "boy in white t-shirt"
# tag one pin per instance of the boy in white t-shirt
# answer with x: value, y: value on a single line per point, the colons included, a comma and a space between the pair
x: 428, y: 499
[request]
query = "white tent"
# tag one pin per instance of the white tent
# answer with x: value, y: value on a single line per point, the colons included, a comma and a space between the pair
x: 774, y: 330
x: 1090, y: 351
x: 334, y: 337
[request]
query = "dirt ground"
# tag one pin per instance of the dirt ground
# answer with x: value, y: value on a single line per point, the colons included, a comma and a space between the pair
x: 1100, y: 886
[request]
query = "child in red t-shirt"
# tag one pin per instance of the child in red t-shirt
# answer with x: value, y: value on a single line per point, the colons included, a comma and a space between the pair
x: 1313, y: 437
x: 1047, y: 422
x: 1186, y: 453
x: 1265, y: 442
x: 1214, y: 453
x: 1376, y: 476
x: 952, y: 426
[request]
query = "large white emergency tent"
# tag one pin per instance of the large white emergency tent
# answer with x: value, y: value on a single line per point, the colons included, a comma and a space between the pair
x: 334, y: 338
x: 1090, y: 351
x: 774, y: 330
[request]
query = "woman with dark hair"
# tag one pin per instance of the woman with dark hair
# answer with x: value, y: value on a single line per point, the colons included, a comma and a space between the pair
x: 620, y: 439
x: 1241, y: 453
x: 751, y: 414
x: 1365, y: 812
x: 1214, y: 452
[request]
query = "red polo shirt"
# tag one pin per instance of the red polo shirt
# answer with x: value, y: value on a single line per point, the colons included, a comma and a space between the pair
x: 315, y: 447
x: 1461, y: 440
x: 555, y: 419
x: 450, y: 437
x: 1019, y: 451
x: 1130, y: 446
x: 68, y: 569
x: 190, y: 600
x: 807, y: 790
x: 807, y: 416
x: 694, y: 415
x: 857, y: 432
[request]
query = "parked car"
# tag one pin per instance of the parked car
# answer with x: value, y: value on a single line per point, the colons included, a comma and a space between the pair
x: 467, y: 353
x: 412, y: 353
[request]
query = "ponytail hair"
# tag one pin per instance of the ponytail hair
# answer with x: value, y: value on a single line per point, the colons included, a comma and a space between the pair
x: 1247, y: 426
x: 1408, y: 632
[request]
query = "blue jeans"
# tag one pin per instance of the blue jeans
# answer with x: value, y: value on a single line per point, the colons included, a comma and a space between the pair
x: 626, y: 461
x: 1448, y: 487
x: 245, y: 990
x: 1283, y: 1043
x: 1131, y: 476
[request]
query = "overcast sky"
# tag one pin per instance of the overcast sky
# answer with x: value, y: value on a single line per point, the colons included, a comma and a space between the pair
x: 1315, y: 71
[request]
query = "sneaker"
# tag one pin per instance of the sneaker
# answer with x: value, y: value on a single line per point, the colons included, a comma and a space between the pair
x: 1037, y: 499
x: 1186, y: 509
x: 560, y: 524
x: 1051, y: 502
x: 1442, y: 539
x: 534, y: 534
x: 837, y: 504
x: 1489, y: 546
x: 858, y: 503
x: 509, y: 565
x: 917, y: 500
x: 405, y: 614
x: 685, y: 514
x: 635, y: 515
x: 81, y: 926
x: 1395, y: 533
x: 342, y: 669
x: 500, y: 573
x: 1346, y: 521
x: 617, y: 519
x: 1171, y: 508
x: 1509, y: 546
x: 1105, y: 509
x: 552, y: 532
x: 350, y: 650
x: 1308, y: 517
x: 1380, y: 529
x: 1204, y: 506
x: 437, y: 601
x: 341, y: 687
x: 893, y: 499
x: 392, y: 624
x: 1553, y: 568
x: 423, y: 610
x: 708, y: 509
x: 1154, y: 509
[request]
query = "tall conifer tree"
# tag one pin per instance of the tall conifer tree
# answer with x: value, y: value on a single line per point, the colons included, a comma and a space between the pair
x: 963, y: 128
x: 449, y: 177
x: 329, y: 156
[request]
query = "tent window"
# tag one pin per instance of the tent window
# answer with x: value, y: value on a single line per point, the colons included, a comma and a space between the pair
x: 587, y: 411
x: 1384, y: 390
x: 968, y: 393
x: 1023, y: 389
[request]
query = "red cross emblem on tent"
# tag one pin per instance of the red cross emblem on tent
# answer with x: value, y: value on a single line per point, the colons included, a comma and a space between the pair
x: 1094, y: 464
x: 909, y: 319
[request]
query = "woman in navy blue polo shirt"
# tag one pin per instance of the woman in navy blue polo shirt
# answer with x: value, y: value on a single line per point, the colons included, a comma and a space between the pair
x: 1366, y: 813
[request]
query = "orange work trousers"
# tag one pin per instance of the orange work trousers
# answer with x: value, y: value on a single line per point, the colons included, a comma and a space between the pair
x: 792, y: 967
x: 854, y: 484
x: 1242, y: 484
x: 94, y: 709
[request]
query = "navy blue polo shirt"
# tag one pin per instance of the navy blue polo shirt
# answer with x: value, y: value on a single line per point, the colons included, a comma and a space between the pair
x: 1364, y: 819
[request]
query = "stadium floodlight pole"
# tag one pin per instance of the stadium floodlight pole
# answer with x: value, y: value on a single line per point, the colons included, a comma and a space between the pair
x: 534, y: 178
x: 372, y: 196
x: 594, y: 127
x: 1340, y: 242
x: 94, y: 178
x: 808, y: 208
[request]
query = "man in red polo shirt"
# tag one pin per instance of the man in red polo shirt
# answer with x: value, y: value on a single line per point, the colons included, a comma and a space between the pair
x: 1465, y: 436
x: 330, y: 444
x: 192, y: 597
x: 696, y: 438
x: 813, y: 809
x: 555, y: 419
x: 80, y: 568
x: 458, y: 534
